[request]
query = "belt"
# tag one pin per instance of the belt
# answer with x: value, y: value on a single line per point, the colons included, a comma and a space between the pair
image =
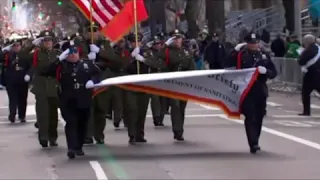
x: 77, y: 85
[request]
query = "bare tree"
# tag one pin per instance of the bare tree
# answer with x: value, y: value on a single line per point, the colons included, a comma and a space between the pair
x: 192, y: 11
x: 215, y: 15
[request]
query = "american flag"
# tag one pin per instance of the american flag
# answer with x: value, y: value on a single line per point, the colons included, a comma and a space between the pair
x: 103, y: 11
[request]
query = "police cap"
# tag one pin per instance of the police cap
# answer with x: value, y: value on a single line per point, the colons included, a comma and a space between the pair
x: 69, y: 45
x: 155, y: 40
x: 47, y: 34
x: 16, y: 41
x: 251, y: 38
x: 132, y: 37
x: 95, y: 27
x: 176, y: 33
x: 162, y: 35
x: 76, y: 35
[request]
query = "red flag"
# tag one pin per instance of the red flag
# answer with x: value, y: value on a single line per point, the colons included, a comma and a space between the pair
x: 121, y: 24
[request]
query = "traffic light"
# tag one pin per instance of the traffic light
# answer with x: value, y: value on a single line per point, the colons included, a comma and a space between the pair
x: 59, y: 3
x: 14, y: 5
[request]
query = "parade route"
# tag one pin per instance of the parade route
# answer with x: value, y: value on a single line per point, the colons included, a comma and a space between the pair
x: 215, y: 148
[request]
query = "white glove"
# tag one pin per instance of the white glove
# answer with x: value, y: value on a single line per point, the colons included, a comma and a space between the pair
x: 140, y: 58
x: 64, y: 55
x: 89, y: 84
x: 92, y: 56
x: 300, y: 50
x: 262, y: 70
x: 149, y: 44
x: 135, y: 52
x: 169, y: 41
x: 304, y: 69
x: 26, y: 78
x: 7, y: 48
x: 112, y: 44
x: 37, y: 41
x: 94, y: 48
x: 239, y: 46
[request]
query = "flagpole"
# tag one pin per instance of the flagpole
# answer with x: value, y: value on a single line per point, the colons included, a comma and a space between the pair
x: 136, y: 30
x: 91, y: 21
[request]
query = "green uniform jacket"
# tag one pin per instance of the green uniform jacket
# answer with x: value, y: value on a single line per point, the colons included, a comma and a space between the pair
x: 42, y: 85
x: 177, y: 59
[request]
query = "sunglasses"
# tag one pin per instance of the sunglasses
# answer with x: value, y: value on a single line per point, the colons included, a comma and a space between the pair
x: 73, y: 50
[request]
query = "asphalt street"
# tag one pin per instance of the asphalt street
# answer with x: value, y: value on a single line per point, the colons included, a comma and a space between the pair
x: 215, y: 148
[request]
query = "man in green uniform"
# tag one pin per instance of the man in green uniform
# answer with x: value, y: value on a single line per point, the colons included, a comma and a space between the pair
x: 158, y: 109
x: 177, y: 58
x: 106, y: 58
x: 45, y: 89
x: 117, y: 105
x: 136, y: 103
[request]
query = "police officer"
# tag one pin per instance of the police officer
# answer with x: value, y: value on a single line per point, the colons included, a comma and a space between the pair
x: 45, y: 89
x: 310, y: 66
x: 75, y: 76
x: 254, y: 105
x: 177, y: 58
x: 15, y: 66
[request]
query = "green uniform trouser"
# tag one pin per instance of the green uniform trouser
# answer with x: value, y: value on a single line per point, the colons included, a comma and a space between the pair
x: 99, y: 108
x: 135, y: 112
x: 117, y: 104
x: 157, y: 110
x: 47, y: 117
x: 177, y: 113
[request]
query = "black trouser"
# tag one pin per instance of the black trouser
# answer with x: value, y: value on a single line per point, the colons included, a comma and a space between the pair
x: 18, y: 95
x: 254, y: 108
x: 76, y: 126
x: 309, y: 84
x: 177, y: 112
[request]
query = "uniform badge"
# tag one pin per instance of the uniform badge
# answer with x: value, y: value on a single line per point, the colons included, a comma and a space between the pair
x: 47, y: 33
x: 85, y: 66
x: 186, y: 52
x: 102, y: 47
x: 145, y: 54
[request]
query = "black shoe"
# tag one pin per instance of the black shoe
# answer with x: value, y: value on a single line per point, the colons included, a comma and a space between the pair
x: 178, y: 137
x: 161, y: 124
x: 254, y: 149
x: 23, y: 120
x: 80, y: 153
x: 116, y: 124
x: 109, y: 116
x: 88, y: 141
x: 132, y: 140
x: 304, y: 114
x: 43, y: 143
x: 71, y: 154
x: 36, y: 125
x: 53, y: 143
x: 100, y: 141
x: 12, y: 120
x: 141, y: 140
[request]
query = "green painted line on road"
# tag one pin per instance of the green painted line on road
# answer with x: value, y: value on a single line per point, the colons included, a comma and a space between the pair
x: 118, y: 170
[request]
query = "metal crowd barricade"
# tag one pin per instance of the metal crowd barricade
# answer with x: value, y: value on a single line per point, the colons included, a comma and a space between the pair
x: 289, y: 77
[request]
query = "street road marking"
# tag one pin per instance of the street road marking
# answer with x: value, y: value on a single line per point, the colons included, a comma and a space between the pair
x: 281, y: 134
x: 209, y: 107
x: 312, y: 122
x: 295, y: 116
x: 273, y: 104
x: 98, y: 170
x: 293, y: 123
x: 313, y: 106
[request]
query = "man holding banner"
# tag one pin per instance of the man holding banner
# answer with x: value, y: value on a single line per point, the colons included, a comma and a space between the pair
x: 254, y: 105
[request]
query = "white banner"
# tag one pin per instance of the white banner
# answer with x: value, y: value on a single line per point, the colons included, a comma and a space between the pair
x: 223, y: 88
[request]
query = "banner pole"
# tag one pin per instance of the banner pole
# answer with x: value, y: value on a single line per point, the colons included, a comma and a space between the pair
x: 91, y: 21
x: 136, y: 30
